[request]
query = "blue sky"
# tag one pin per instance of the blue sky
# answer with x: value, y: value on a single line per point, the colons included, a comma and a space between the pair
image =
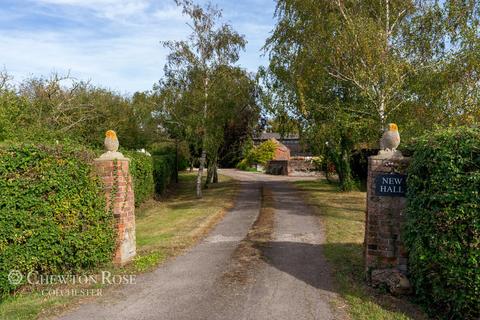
x: 113, y: 43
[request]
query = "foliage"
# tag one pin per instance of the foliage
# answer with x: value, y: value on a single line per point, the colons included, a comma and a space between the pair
x: 260, y: 154
x: 243, y: 165
x: 343, y: 68
x: 141, y: 169
x: 60, y: 108
x: 443, y: 222
x: 163, y: 171
x: 319, y: 163
x: 52, y: 212
x: 197, y: 102
x: 170, y: 148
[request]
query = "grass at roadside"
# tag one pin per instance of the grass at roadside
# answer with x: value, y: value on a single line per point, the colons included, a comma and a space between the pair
x: 166, y: 228
x: 343, y: 216
x: 163, y: 229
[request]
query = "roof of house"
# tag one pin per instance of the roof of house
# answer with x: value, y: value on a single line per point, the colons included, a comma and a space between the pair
x: 276, y: 135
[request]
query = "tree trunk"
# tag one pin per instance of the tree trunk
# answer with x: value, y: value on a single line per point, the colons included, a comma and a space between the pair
x: 209, y: 174
x: 204, y: 152
x: 345, y: 173
x: 215, y: 173
x: 381, y: 111
x: 176, y: 160
x: 200, y: 173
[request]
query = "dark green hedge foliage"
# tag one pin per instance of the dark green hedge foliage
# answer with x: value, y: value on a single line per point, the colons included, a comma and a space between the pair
x: 163, y: 171
x: 141, y: 169
x: 52, y: 212
x: 443, y: 225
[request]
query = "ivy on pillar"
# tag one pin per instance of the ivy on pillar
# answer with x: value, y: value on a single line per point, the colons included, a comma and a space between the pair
x: 113, y: 169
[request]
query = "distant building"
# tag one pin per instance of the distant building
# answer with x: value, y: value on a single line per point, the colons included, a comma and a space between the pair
x: 291, y: 141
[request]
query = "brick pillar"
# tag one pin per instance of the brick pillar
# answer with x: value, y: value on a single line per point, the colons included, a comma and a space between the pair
x: 118, y: 182
x: 385, y: 217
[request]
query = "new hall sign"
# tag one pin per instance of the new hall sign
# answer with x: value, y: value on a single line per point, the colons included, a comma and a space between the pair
x: 391, y: 185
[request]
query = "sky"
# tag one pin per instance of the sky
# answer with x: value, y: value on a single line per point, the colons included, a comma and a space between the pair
x: 114, y: 44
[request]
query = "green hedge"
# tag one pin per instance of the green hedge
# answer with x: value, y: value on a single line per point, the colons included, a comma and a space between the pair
x: 169, y: 148
x: 443, y: 222
x: 141, y: 169
x: 163, y: 171
x: 52, y: 212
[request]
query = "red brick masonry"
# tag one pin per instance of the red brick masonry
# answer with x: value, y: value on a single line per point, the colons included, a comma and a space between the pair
x: 385, y: 217
x: 123, y: 205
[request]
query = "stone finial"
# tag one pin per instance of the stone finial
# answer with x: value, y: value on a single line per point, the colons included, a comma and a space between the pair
x: 111, y: 146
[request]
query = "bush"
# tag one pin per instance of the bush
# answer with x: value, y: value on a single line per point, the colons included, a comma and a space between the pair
x: 141, y: 169
x: 260, y: 154
x: 169, y: 148
x: 243, y: 165
x: 443, y: 228
x: 52, y: 212
x: 163, y: 171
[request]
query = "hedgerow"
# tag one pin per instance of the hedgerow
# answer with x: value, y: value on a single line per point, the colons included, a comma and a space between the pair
x: 163, y: 171
x: 443, y: 222
x: 141, y: 169
x: 52, y: 212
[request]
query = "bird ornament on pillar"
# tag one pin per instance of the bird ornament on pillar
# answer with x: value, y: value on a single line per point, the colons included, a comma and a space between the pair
x: 111, y: 141
x: 390, y: 141
x: 111, y: 146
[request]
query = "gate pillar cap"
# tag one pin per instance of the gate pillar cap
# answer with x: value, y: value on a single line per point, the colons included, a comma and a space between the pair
x: 112, y: 155
x: 387, y: 154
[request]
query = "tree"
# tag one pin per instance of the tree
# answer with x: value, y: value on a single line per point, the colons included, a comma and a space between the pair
x: 195, y: 61
x: 62, y: 108
x: 359, y: 64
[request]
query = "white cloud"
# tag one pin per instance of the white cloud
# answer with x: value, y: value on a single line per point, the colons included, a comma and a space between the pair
x: 115, y: 43
x: 170, y: 13
x: 110, y: 9
x: 123, y: 64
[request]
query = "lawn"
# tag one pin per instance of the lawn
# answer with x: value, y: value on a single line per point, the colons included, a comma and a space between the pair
x: 343, y: 216
x: 164, y: 229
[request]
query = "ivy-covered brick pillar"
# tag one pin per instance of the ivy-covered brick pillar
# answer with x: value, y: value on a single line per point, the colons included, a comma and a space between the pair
x: 113, y: 169
x: 385, y: 254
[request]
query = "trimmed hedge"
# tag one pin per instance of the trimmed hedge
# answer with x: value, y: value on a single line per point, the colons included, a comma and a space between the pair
x: 443, y: 222
x: 141, y: 169
x: 163, y: 171
x: 52, y: 212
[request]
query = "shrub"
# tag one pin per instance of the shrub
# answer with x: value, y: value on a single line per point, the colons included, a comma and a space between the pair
x: 319, y: 163
x: 163, y: 171
x: 260, y: 154
x: 141, y: 169
x: 443, y: 228
x: 243, y: 165
x: 169, y: 148
x: 52, y: 212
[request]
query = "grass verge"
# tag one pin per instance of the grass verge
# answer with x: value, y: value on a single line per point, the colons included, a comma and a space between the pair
x: 248, y: 253
x: 163, y: 229
x: 343, y: 216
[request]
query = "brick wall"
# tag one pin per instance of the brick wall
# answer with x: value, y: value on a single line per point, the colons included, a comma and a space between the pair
x: 277, y: 167
x: 116, y: 173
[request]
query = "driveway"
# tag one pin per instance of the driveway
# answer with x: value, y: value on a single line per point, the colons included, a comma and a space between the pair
x: 291, y: 280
